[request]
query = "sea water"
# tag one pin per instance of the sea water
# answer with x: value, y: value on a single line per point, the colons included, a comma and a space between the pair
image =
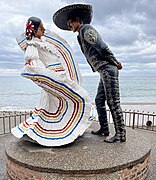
x: 19, y: 93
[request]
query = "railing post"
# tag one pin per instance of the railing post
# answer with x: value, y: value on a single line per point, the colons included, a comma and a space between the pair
x: 3, y: 123
x: 31, y: 113
x: 133, y: 119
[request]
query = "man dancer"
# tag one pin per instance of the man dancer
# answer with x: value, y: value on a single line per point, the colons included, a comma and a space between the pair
x: 77, y: 18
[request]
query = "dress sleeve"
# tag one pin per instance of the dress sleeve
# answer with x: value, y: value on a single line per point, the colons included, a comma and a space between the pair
x: 31, y: 53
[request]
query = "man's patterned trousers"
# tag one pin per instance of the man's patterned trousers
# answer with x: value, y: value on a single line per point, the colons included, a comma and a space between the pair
x: 108, y: 90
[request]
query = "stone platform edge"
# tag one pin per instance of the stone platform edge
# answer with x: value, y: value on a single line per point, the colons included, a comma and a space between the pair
x: 128, y: 165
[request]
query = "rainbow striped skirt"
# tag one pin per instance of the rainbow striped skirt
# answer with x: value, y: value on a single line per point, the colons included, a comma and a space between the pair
x: 64, y: 111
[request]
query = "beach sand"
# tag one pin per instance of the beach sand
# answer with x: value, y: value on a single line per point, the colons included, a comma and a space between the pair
x: 140, y: 106
x: 146, y: 107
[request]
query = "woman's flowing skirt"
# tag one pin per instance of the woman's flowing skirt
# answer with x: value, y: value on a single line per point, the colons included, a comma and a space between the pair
x: 64, y: 111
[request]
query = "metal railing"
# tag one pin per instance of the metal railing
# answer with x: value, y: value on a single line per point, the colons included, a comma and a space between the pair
x: 10, y: 119
x: 134, y: 119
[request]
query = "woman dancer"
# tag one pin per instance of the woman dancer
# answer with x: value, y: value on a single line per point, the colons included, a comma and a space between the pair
x: 65, y: 110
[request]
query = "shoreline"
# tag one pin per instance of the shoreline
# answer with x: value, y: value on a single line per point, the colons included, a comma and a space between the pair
x: 138, y: 103
x: 140, y: 107
x: 137, y: 106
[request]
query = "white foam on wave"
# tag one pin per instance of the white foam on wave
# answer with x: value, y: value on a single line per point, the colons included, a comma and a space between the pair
x: 13, y: 108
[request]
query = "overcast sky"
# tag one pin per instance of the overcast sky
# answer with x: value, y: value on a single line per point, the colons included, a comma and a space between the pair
x: 127, y: 26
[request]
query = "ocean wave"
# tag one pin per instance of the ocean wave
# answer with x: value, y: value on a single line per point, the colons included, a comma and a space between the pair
x: 14, y: 108
x: 18, y: 94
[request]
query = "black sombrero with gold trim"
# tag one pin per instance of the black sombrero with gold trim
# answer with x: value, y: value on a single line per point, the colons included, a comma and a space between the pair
x: 83, y: 11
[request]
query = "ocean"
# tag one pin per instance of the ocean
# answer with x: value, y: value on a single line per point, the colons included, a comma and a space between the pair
x: 19, y: 93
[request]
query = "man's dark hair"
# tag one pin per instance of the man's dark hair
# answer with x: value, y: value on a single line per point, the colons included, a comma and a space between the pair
x: 75, y: 19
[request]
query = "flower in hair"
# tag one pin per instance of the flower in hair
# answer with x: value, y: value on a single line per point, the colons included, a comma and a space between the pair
x: 29, y: 29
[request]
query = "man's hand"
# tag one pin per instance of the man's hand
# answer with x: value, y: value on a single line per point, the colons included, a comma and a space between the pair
x: 119, y: 66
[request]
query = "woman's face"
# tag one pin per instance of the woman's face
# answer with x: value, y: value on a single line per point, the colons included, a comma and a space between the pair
x: 40, y: 31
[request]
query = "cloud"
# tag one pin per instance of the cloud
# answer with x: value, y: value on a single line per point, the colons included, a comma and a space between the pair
x: 126, y: 26
x: 9, y: 72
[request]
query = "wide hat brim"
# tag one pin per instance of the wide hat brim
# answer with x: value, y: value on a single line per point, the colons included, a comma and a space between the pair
x: 83, y: 11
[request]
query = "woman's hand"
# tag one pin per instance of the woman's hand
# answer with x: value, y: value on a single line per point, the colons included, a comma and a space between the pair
x: 28, y: 62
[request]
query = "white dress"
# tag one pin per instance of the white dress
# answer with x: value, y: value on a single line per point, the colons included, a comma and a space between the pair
x: 64, y: 111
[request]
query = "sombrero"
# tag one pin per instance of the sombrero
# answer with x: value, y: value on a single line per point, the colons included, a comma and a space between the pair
x: 83, y: 11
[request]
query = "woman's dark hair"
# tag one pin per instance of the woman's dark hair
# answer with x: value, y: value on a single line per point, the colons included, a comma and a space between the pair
x: 32, y: 27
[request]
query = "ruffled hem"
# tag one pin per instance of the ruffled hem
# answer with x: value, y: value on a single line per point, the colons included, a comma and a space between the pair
x: 51, y: 141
